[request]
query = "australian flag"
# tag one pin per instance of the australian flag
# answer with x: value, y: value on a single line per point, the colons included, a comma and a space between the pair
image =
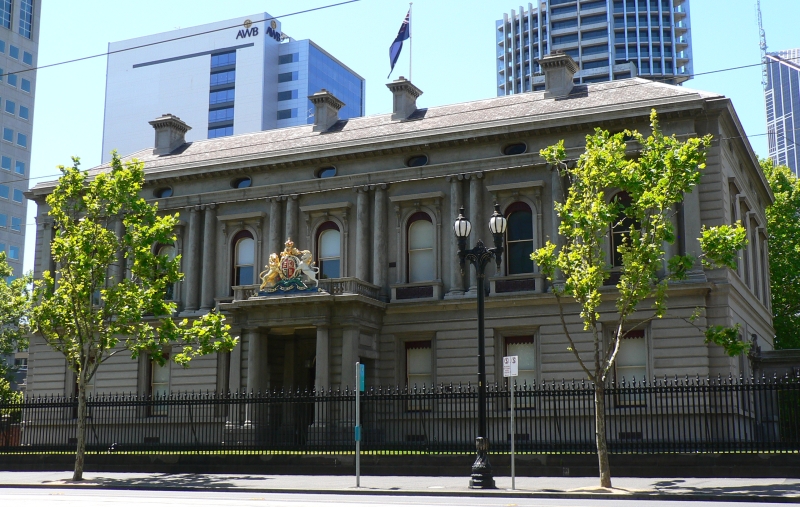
x: 397, y: 45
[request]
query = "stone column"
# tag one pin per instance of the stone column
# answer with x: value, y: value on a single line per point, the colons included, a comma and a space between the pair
x: 322, y: 380
x: 235, y: 382
x: 192, y: 273
x: 274, y: 245
x: 558, y: 194
x: 380, y: 267
x: 254, y: 366
x: 209, y: 258
x: 292, y: 218
x: 477, y: 220
x: 350, y: 357
x: 692, y: 232
x: 456, y: 201
x: 362, y: 234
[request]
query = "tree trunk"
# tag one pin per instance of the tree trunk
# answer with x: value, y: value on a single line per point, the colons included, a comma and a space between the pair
x: 600, y: 434
x: 81, y: 432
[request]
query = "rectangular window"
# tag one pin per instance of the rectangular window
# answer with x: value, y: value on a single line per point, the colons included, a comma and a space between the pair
x: 285, y: 77
x: 595, y: 65
x: 285, y: 114
x: 524, y: 348
x: 13, y: 253
x: 8, y: 135
x: 5, y: 163
x: 26, y: 85
x: 223, y: 78
x: 12, y: 80
x: 220, y: 132
x: 18, y: 197
x: 4, y: 191
x: 19, y: 167
x: 16, y: 224
x: 24, y: 113
x: 5, y: 16
x: 21, y: 363
x: 294, y: 57
x: 631, y: 363
x: 287, y: 95
x: 3, y: 220
x: 223, y: 59
x: 598, y: 18
x: 564, y: 39
x: 419, y: 364
x: 594, y: 34
x: 563, y: 10
x: 11, y: 106
x: 25, y: 18
x: 2, y: 42
x: 570, y: 23
x: 222, y: 96
x: 27, y: 58
x: 13, y: 52
x: 22, y: 140
x: 218, y: 115
x: 159, y: 386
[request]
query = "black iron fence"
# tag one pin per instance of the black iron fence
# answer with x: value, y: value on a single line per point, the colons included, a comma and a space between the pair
x: 663, y: 416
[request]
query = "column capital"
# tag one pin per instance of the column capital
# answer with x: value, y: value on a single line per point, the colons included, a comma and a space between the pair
x: 208, y: 207
x: 475, y: 176
x: 361, y: 189
x: 379, y: 186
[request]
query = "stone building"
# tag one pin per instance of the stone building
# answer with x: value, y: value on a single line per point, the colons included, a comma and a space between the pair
x: 374, y: 200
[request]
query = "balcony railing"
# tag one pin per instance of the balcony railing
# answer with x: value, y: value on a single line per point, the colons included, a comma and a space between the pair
x: 334, y: 286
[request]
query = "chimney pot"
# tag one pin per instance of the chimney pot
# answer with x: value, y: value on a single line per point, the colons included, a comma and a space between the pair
x: 326, y: 109
x: 170, y: 133
x: 405, y: 97
x: 559, y: 70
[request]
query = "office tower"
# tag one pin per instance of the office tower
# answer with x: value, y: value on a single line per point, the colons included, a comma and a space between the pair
x: 19, y: 47
x: 610, y: 39
x: 230, y: 77
x: 782, y: 96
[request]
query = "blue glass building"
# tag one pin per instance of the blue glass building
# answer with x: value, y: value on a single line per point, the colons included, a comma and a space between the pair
x: 782, y: 98
x: 304, y: 69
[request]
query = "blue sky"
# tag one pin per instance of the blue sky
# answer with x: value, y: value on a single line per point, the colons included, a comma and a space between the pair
x: 453, y: 44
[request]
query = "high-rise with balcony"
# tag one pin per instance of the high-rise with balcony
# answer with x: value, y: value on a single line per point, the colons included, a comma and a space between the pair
x: 782, y: 95
x: 610, y: 39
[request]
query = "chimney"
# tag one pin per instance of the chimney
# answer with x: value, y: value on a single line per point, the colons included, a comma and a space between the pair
x: 326, y: 110
x: 405, y: 98
x: 559, y: 69
x: 170, y: 132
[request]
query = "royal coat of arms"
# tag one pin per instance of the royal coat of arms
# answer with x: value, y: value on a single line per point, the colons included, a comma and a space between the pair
x: 292, y: 270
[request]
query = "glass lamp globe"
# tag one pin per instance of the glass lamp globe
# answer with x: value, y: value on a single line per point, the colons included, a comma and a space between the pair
x: 498, y: 223
x: 462, y: 227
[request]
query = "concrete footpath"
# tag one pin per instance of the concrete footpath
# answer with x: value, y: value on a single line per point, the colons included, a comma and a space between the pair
x: 629, y: 488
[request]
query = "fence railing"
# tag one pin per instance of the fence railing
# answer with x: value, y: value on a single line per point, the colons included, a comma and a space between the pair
x: 663, y: 416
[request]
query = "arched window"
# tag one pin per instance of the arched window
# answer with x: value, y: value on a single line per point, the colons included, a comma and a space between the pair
x: 244, y: 255
x: 519, y: 239
x: 169, y: 252
x: 620, y: 230
x: 420, y: 248
x: 329, y: 250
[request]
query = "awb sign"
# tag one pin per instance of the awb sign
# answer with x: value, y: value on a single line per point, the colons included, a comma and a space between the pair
x: 248, y: 32
x: 511, y: 366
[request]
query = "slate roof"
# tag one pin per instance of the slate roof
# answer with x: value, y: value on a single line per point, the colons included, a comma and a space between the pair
x: 454, y: 117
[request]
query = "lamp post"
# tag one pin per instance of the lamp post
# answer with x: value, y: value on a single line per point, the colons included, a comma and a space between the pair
x: 479, y: 256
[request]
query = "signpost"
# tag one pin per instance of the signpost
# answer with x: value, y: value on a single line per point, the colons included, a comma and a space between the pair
x: 511, y: 369
x: 360, y: 374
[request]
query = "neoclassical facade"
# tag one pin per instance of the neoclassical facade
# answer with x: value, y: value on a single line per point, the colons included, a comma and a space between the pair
x: 374, y: 200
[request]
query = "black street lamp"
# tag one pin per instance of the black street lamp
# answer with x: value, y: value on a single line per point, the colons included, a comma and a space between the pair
x: 479, y: 257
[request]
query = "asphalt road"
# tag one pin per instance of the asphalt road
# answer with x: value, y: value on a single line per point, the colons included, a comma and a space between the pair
x: 34, y: 497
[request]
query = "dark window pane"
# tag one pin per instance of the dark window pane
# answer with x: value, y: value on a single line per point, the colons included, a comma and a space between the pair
x: 519, y: 257
x: 244, y: 275
x: 330, y: 268
x: 520, y: 226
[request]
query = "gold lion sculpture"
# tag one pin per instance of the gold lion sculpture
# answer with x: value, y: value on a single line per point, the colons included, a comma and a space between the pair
x: 271, y: 275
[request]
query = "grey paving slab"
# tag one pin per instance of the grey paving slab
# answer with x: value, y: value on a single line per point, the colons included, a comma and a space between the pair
x: 624, y: 487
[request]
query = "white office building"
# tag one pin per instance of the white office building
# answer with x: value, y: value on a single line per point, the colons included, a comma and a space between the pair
x: 609, y: 39
x: 230, y: 77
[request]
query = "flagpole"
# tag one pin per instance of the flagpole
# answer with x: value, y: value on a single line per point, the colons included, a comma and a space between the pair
x: 410, y: 42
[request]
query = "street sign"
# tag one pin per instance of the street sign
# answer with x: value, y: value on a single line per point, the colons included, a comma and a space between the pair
x: 361, y: 375
x: 511, y: 366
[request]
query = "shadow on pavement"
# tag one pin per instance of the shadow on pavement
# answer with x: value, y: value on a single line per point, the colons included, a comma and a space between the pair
x: 678, y: 486
x: 165, y: 481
